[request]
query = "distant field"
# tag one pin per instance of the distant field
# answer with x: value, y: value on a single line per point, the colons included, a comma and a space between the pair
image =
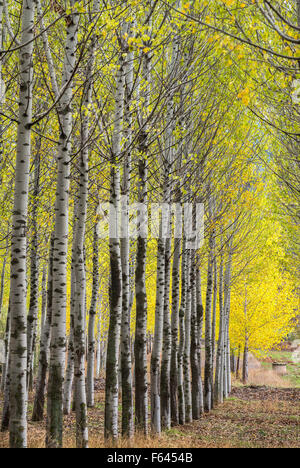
x: 293, y: 368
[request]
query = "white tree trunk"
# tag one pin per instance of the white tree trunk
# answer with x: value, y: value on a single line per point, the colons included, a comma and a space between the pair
x: 200, y: 320
x: 126, y: 365
x: 98, y: 363
x: 174, y: 330
x: 208, y: 329
x: 246, y: 361
x: 38, y: 408
x: 18, y: 344
x: 113, y: 343
x: 214, y: 321
x: 69, y: 376
x: 226, y: 344
x: 80, y: 273
x: 32, y: 316
x: 157, y: 342
x: 5, y: 383
x: 140, y: 342
x: 218, y: 387
x: 90, y: 383
x: 166, y: 350
x: 58, y: 326
x: 187, y: 348
x: 184, y: 284
x: 195, y: 367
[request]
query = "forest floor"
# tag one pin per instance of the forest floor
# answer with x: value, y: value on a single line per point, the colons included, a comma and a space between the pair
x: 254, y: 416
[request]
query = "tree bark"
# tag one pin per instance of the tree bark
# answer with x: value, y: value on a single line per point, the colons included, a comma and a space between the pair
x: 214, y: 322
x: 69, y: 377
x: 58, y: 326
x: 246, y: 361
x: 165, y: 394
x: 195, y: 368
x: 34, y: 273
x: 98, y: 363
x: 92, y: 318
x: 187, y: 347
x: 184, y: 284
x: 218, y: 387
x: 140, y: 342
x: 113, y: 342
x: 5, y: 384
x: 18, y: 343
x: 157, y: 342
x: 200, y: 320
x: 238, y: 363
x: 126, y: 365
x: 227, y: 292
x: 174, y: 332
x: 2, y: 281
x: 39, y: 401
x: 208, y: 331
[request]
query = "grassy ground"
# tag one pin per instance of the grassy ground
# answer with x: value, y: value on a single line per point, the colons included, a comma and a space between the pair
x: 253, y: 416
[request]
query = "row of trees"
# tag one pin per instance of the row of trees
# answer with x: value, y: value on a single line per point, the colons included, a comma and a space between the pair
x: 188, y: 105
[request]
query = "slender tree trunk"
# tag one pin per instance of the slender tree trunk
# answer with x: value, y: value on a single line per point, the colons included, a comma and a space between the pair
x: 187, y: 348
x: 226, y: 353
x: 103, y: 354
x: 126, y: 366
x: 80, y: 314
x: 246, y: 361
x: 6, y: 409
x: 34, y: 273
x: 80, y: 271
x: 157, y: 343
x: 228, y: 356
x: 168, y: 184
x: 238, y: 363
x: 174, y: 331
x: 200, y: 320
x: 218, y: 387
x: 39, y: 401
x: 69, y: 377
x: 6, y: 350
x: 225, y: 324
x: 195, y: 368
x: 58, y: 325
x: 18, y: 342
x: 113, y: 343
x: 208, y: 332
x: 232, y: 362
x: 140, y: 342
x: 5, y: 384
x: 92, y: 318
x: 166, y: 350
x: 2, y: 281
x: 44, y: 299
x: 184, y: 273
x: 246, y: 345
x: 98, y: 363
x: 214, y: 322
